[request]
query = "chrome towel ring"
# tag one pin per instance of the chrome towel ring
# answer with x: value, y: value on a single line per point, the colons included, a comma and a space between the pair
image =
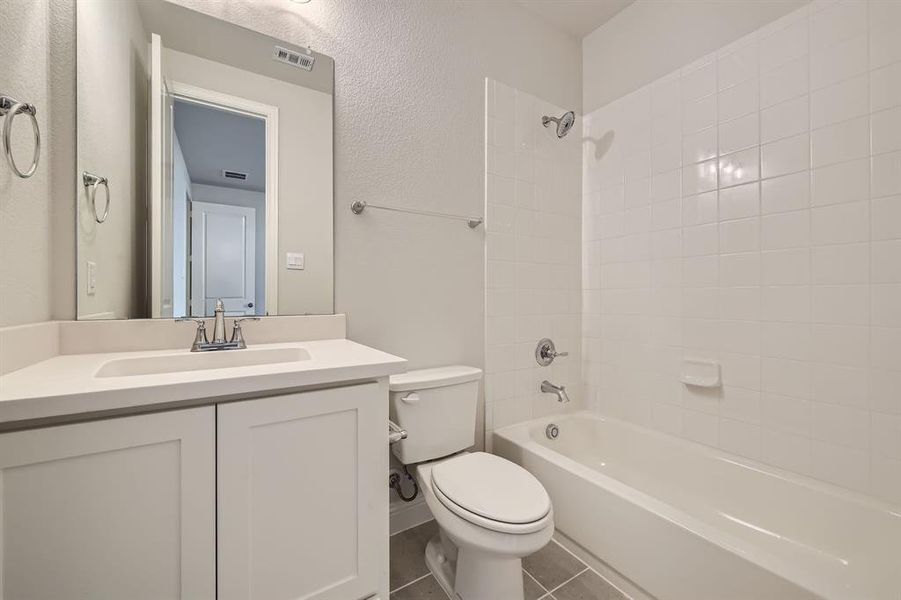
x: 91, y: 183
x: 10, y: 107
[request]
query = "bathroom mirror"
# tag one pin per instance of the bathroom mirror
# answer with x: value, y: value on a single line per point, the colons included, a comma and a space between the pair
x: 204, y: 166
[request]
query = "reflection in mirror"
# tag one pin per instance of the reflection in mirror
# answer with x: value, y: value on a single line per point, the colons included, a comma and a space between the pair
x: 216, y: 142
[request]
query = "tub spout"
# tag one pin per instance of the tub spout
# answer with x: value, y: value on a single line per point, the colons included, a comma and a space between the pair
x: 549, y: 388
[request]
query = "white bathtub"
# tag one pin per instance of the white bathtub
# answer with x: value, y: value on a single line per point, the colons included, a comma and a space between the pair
x: 687, y: 522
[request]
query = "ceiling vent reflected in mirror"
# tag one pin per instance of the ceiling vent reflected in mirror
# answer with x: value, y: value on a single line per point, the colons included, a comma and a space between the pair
x: 234, y: 175
x: 295, y: 59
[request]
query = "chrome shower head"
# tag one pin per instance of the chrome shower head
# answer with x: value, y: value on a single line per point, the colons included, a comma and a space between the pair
x: 564, y: 123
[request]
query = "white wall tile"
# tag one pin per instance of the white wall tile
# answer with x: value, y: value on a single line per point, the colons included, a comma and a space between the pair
x: 886, y: 305
x: 738, y: 100
x: 885, y: 26
x: 699, y: 82
x: 785, y: 230
x: 785, y: 156
x: 700, y: 209
x: 786, y: 303
x: 738, y: 134
x: 789, y: 275
x: 845, y: 263
x: 886, y: 261
x: 838, y: 62
x: 739, y: 202
x: 737, y: 66
x: 785, y: 82
x: 786, y: 193
x: 841, y: 304
x: 886, y: 175
x: 885, y: 217
x: 699, y: 114
x: 842, y: 182
x: 886, y: 130
x: 700, y: 145
x: 885, y: 87
x: 740, y: 236
x: 839, y: 102
x: 841, y: 142
x: 739, y: 167
x: 840, y: 223
x: 784, y: 119
x: 785, y: 267
x: 784, y: 45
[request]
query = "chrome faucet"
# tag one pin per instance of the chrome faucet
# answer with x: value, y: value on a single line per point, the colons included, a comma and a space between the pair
x: 219, y: 323
x: 549, y: 388
x: 203, y: 344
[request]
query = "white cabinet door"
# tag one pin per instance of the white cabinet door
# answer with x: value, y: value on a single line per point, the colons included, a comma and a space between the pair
x: 112, y: 509
x: 303, y: 511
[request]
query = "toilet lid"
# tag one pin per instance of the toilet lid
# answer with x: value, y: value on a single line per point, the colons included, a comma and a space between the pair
x: 492, y: 487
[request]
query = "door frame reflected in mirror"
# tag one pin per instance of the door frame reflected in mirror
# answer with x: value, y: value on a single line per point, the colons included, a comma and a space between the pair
x: 269, y: 114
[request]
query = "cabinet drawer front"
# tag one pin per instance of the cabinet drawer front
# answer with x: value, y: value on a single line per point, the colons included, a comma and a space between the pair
x: 301, y: 500
x: 111, y: 509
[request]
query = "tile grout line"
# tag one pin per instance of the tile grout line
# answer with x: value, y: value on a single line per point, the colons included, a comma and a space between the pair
x: 572, y: 578
x: 409, y: 583
x: 544, y: 589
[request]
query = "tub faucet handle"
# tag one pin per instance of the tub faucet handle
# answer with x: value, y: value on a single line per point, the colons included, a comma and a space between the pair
x: 546, y: 352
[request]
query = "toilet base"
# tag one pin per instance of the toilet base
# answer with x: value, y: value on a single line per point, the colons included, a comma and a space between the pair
x: 443, y: 568
x: 475, y: 575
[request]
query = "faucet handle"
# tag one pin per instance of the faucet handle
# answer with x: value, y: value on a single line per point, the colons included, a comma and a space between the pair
x: 546, y: 352
x: 200, y: 337
x: 237, y: 334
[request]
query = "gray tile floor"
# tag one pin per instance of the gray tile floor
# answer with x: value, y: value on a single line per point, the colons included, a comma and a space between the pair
x: 552, y: 573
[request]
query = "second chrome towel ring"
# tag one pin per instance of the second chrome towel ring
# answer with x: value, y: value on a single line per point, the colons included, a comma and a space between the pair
x: 12, y: 107
x: 91, y: 183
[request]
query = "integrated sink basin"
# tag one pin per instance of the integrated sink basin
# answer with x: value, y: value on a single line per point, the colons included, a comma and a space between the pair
x: 199, y: 361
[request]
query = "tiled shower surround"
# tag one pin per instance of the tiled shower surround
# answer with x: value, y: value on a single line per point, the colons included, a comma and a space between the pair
x: 533, y: 284
x: 747, y: 209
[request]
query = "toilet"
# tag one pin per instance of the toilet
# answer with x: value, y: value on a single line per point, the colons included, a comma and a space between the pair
x: 490, y: 512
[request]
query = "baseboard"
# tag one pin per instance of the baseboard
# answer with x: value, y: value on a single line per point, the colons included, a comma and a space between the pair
x: 404, y: 515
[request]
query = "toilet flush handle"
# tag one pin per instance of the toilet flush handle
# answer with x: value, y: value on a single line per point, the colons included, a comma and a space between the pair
x: 411, y: 398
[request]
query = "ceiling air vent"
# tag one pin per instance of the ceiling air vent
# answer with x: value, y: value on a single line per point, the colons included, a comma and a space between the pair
x: 234, y: 175
x: 295, y: 59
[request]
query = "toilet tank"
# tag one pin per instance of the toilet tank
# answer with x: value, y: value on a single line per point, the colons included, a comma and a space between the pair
x: 437, y: 407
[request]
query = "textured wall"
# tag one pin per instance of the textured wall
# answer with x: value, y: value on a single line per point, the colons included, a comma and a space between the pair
x: 747, y: 209
x: 25, y: 203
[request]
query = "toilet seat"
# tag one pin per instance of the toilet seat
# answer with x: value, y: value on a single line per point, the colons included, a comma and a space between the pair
x: 491, y: 492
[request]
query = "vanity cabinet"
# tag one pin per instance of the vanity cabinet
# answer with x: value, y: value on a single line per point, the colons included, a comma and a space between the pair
x: 302, y: 507
x: 284, y: 494
x: 110, y: 509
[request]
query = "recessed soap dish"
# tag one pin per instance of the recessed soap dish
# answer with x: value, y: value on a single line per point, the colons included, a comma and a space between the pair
x: 701, y: 373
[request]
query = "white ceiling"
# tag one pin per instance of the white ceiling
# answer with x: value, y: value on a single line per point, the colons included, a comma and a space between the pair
x: 575, y: 17
x: 212, y: 140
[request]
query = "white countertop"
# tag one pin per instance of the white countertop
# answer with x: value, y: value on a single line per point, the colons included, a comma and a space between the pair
x: 66, y: 385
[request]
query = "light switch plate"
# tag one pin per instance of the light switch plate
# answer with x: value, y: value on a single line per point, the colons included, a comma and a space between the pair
x: 294, y: 261
x: 92, y: 278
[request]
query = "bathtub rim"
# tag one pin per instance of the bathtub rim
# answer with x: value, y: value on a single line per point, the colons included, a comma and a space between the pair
x: 519, y: 434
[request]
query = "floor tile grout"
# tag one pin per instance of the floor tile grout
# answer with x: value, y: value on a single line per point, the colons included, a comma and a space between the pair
x: 570, y: 579
x: 544, y: 589
x: 409, y: 583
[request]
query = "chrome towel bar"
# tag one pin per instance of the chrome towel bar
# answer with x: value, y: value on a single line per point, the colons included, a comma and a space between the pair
x: 91, y: 183
x: 10, y: 107
x: 359, y: 206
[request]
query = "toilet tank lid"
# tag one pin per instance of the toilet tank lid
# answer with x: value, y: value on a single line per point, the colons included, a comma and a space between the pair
x: 423, y: 379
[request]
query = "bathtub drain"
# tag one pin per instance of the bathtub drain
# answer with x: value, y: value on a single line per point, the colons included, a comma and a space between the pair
x: 552, y: 431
